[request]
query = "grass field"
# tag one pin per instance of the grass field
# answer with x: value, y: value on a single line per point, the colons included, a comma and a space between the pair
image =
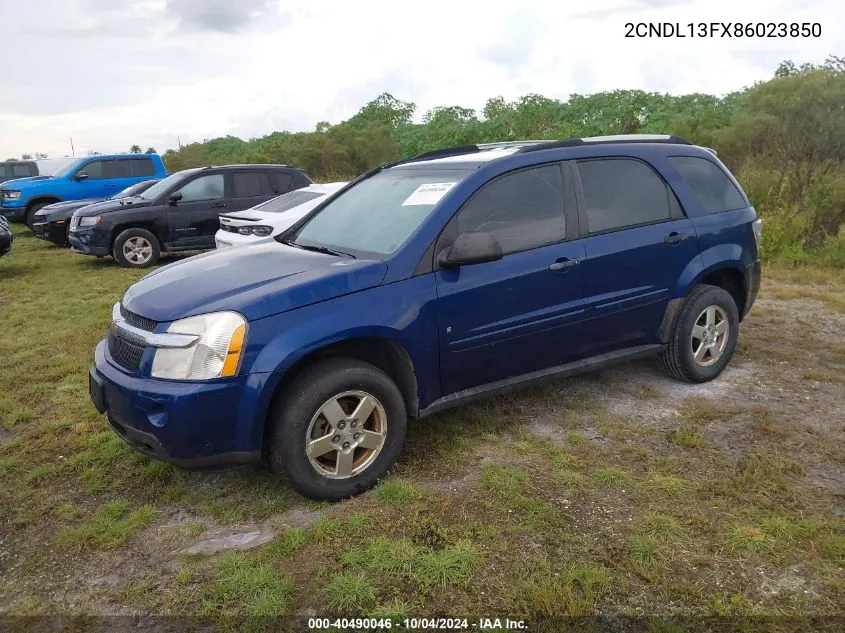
x: 620, y: 493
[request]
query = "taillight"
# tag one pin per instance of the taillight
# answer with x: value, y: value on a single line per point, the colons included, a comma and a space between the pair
x: 757, y: 225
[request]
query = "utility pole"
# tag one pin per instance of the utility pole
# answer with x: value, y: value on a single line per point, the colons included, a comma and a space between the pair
x: 72, y: 152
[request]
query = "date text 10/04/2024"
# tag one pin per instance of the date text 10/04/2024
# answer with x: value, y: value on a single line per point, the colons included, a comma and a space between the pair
x: 723, y: 29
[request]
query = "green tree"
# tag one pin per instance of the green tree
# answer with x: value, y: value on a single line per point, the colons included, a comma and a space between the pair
x: 135, y: 149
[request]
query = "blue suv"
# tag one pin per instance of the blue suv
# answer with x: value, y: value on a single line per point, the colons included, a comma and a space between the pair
x: 425, y: 284
x: 99, y: 176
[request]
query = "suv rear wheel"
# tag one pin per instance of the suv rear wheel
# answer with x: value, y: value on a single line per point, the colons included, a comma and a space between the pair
x: 136, y: 248
x: 337, y: 428
x: 705, y: 335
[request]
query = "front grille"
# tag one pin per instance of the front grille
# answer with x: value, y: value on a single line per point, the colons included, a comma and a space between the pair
x: 136, y: 320
x: 124, y: 353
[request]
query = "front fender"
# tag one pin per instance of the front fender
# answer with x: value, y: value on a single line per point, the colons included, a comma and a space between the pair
x: 404, y: 312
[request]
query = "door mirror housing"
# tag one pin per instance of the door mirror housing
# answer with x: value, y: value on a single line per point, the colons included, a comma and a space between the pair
x: 469, y: 249
x: 81, y: 176
x: 174, y: 197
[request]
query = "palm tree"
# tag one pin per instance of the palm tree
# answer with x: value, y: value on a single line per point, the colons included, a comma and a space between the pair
x: 151, y: 150
x: 135, y: 149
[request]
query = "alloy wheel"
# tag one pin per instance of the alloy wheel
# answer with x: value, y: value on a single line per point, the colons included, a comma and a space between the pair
x: 709, y: 335
x: 137, y: 250
x: 346, y: 434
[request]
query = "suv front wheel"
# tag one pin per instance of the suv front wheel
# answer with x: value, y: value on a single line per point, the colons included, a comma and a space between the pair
x: 705, y: 335
x: 136, y: 248
x: 337, y: 428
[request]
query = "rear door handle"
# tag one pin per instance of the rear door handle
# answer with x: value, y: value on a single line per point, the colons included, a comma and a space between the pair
x: 675, y: 238
x: 218, y: 205
x: 564, y: 264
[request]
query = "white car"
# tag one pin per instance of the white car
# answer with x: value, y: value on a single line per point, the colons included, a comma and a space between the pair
x: 270, y: 218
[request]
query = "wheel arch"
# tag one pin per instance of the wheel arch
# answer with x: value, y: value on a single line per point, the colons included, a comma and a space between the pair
x: 138, y: 224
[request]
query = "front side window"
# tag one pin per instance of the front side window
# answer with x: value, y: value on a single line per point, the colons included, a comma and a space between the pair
x: 2, y: 171
x: 208, y: 187
x: 380, y: 213
x: 94, y: 169
x: 711, y: 186
x: 622, y: 192
x: 522, y: 210
x: 165, y: 185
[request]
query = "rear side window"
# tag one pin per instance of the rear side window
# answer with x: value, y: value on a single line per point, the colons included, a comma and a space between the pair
x: 622, y: 192
x: 142, y: 166
x: 116, y: 169
x: 711, y: 185
x: 288, y: 201
x: 22, y: 171
x: 522, y: 210
x: 246, y: 184
x: 280, y: 182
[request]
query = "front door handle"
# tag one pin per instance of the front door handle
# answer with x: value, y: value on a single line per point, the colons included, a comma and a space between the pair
x: 218, y: 205
x: 563, y: 264
x: 675, y: 238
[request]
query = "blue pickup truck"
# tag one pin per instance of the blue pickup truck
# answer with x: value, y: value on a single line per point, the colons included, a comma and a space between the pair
x: 423, y: 285
x: 97, y: 176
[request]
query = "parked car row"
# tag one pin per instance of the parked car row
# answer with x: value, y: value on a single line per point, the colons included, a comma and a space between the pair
x: 421, y: 285
x: 179, y: 212
x: 6, y: 236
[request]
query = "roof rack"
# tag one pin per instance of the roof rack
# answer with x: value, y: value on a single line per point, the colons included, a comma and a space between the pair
x: 607, y: 140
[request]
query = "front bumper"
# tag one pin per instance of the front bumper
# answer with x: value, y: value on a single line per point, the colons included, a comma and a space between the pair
x: 80, y: 243
x: 50, y: 231
x: 5, y: 242
x: 14, y: 214
x: 189, y: 424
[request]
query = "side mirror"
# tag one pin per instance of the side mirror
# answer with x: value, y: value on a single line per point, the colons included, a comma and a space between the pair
x: 175, y: 197
x: 469, y: 249
x: 81, y: 176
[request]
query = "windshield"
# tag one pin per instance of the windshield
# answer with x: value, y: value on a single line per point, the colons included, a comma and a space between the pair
x: 64, y: 171
x: 288, y: 201
x: 133, y: 190
x: 378, y: 214
x: 163, y: 185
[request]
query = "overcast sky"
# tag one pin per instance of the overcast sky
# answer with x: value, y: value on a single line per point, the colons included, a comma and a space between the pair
x: 112, y: 73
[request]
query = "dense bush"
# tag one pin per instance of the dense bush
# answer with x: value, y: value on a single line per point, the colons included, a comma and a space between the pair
x: 784, y: 138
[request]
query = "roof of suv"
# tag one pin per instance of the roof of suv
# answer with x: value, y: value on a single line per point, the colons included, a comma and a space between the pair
x: 476, y: 155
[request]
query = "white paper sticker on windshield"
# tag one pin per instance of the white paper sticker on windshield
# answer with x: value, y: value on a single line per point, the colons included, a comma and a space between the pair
x: 429, y: 193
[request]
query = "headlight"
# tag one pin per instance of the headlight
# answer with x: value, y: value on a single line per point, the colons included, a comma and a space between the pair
x: 217, y: 353
x: 12, y: 195
x: 89, y: 221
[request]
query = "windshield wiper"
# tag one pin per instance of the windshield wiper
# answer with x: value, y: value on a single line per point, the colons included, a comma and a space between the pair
x: 320, y: 249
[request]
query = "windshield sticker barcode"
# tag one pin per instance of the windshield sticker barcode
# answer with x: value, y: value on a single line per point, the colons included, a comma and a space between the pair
x: 429, y: 193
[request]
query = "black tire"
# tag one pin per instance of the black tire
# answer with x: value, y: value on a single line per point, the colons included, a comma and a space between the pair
x: 31, y: 211
x: 300, y: 401
x: 140, y: 234
x: 678, y: 358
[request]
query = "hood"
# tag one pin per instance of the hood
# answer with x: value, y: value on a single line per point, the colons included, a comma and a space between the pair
x: 64, y: 209
x: 107, y: 206
x: 257, y: 280
x: 23, y: 183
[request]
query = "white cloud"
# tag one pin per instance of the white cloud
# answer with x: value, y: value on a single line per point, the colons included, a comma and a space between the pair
x: 148, y: 71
